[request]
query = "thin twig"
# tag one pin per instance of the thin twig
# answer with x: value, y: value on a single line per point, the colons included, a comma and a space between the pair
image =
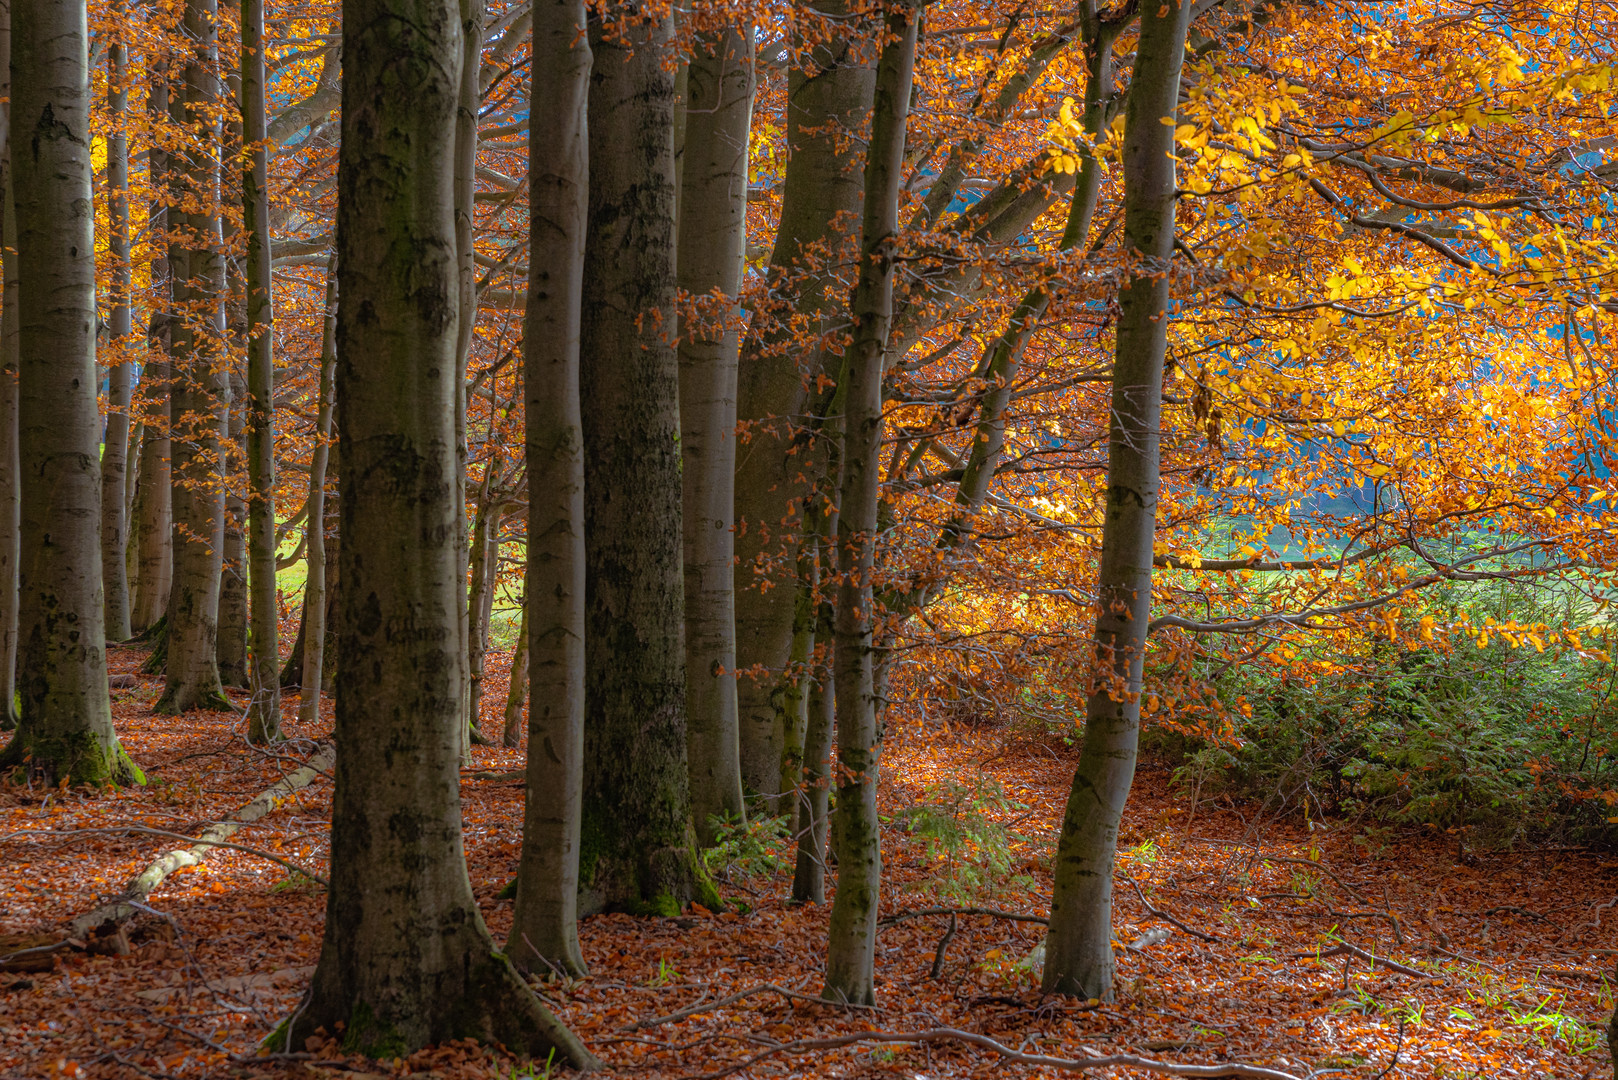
x: 1166, y: 917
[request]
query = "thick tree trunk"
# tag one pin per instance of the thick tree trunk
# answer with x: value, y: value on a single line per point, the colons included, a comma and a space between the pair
x: 312, y: 635
x: 516, y: 686
x: 712, y: 244
x: 851, y: 936
x: 65, y: 730
x: 232, y: 645
x: 199, y: 397
x: 1078, y: 950
x: 544, y: 927
x: 406, y: 960
x: 10, y: 477
x: 264, y: 714
x: 638, y: 850
x: 485, y: 558
x: 115, y: 444
x: 827, y: 102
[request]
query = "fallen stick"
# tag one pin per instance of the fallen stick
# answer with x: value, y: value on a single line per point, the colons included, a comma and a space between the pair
x: 1166, y: 917
x: 1343, y: 948
x: 1164, y: 1068
x: 122, y: 909
x: 1014, y: 916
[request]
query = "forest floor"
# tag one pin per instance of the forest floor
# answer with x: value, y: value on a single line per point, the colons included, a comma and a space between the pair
x: 1501, y: 961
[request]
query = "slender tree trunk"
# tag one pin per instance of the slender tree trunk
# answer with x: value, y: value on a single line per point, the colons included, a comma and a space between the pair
x: 712, y: 244
x: 199, y: 397
x: 313, y: 632
x: 406, y: 960
x: 233, y: 630
x: 517, y: 685
x: 485, y: 560
x: 115, y: 445
x: 152, y: 534
x: 264, y: 715
x: 1078, y: 950
x: 827, y: 101
x: 544, y: 926
x: 10, y: 477
x: 65, y: 730
x: 851, y: 936
x: 814, y: 783
x: 466, y: 161
x: 638, y: 850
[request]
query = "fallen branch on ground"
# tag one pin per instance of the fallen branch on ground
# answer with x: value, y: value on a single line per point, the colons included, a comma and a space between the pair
x: 1343, y: 948
x: 1006, y: 1053
x: 1014, y: 916
x: 1166, y: 917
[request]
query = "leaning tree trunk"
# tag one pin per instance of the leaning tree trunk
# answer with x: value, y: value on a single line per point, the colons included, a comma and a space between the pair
x: 406, y: 959
x: 1078, y: 950
x: 10, y: 478
x: 199, y: 396
x: 851, y: 935
x: 65, y: 729
x: 638, y: 851
x: 544, y: 925
x: 313, y: 633
x: 264, y: 714
x: 712, y: 244
x: 826, y: 99
x: 115, y: 444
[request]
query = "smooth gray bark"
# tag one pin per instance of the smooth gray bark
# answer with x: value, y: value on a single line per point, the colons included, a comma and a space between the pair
x: 115, y: 442
x: 828, y: 101
x: 1078, y: 950
x: 545, y: 918
x: 314, y: 585
x: 65, y: 728
x: 264, y: 714
x: 199, y: 397
x: 712, y: 244
x: 10, y: 479
x: 406, y: 959
x: 151, y: 519
x: 637, y: 847
x: 856, y: 837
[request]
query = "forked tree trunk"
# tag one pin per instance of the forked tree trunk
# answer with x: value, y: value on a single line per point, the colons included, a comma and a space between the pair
x: 315, y: 602
x: 638, y: 850
x: 1078, y: 949
x: 10, y: 477
x: 544, y: 925
x: 406, y: 959
x: 199, y: 397
x: 516, y: 686
x: 821, y: 194
x: 712, y: 244
x: 115, y: 443
x: 65, y: 730
x: 264, y: 714
x: 851, y: 935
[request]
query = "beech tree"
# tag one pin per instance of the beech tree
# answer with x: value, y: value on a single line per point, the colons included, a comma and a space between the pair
x: 10, y: 478
x: 65, y: 728
x: 406, y: 959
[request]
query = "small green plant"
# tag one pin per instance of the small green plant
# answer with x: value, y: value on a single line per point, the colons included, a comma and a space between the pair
x: 748, y: 849
x: 970, y: 850
x: 666, y: 973
x: 550, y: 1064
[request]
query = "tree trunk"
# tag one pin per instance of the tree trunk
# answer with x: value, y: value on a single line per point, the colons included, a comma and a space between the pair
x: 65, y: 729
x: 826, y: 101
x: 485, y: 558
x: 406, y: 960
x: 199, y: 396
x: 152, y: 533
x: 814, y: 784
x: 264, y: 715
x: 115, y: 444
x: 638, y: 850
x: 712, y: 245
x: 517, y: 685
x: 232, y: 645
x: 312, y: 635
x: 10, y: 477
x: 544, y: 924
x: 851, y: 935
x: 1078, y: 950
